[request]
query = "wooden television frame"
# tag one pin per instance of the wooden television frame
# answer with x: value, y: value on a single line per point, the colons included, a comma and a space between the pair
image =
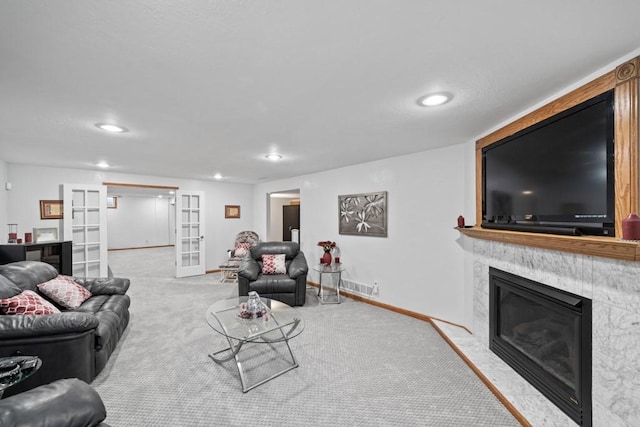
x: 624, y: 80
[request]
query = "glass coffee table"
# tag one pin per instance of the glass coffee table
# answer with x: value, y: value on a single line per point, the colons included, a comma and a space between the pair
x: 278, y: 323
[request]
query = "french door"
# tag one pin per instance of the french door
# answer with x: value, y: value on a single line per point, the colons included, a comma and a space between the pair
x: 85, y: 224
x: 190, y: 246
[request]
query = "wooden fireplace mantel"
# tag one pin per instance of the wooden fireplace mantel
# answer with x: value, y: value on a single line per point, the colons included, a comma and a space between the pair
x: 607, y: 247
x: 624, y: 79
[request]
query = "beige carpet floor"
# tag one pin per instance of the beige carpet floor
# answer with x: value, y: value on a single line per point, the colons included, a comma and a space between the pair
x: 359, y: 365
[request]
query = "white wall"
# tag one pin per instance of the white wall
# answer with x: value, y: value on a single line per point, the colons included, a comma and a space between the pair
x: 140, y: 222
x: 34, y: 183
x: 419, y: 266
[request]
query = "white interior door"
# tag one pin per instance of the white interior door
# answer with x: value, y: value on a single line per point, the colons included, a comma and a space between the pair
x: 190, y: 247
x: 85, y: 224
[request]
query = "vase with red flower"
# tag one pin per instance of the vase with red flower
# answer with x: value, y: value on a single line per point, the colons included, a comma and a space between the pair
x: 327, y: 246
x: 326, y: 257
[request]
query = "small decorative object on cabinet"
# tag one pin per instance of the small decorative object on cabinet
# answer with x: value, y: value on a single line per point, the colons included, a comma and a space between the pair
x: 631, y: 227
x: 45, y: 235
x: 461, y: 221
x: 13, y: 233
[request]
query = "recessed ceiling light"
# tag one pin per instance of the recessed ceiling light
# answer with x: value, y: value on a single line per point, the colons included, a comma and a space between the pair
x: 111, y: 127
x: 434, y: 99
x: 273, y: 156
x: 217, y: 176
x: 102, y: 165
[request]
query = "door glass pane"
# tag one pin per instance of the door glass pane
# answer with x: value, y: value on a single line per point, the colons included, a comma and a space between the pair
x: 93, y: 216
x: 93, y: 234
x: 78, y: 235
x: 185, y: 202
x: 93, y: 253
x: 78, y: 253
x: 186, y: 260
x: 195, y: 244
x: 78, y: 270
x: 185, y: 215
x: 94, y: 269
x: 195, y: 230
x: 185, y: 231
x: 195, y: 216
x: 185, y: 245
x: 195, y: 258
x: 93, y: 198
x: 77, y: 198
x: 195, y: 202
x: 78, y: 217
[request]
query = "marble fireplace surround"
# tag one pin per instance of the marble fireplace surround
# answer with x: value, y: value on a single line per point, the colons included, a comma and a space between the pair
x: 614, y: 288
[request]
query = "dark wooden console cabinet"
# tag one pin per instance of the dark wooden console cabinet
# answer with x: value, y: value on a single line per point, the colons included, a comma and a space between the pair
x: 58, y: 254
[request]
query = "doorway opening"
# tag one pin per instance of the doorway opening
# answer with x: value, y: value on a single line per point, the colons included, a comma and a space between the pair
x: 140, y: 216
x: 283, y: 219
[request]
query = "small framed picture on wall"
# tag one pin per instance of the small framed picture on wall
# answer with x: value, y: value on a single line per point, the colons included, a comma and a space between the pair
x: 50, y: 209
x: 232, y: 211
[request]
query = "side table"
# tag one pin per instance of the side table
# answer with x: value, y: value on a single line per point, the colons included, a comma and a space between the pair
x: 16, y: 369
x: 229, y: 271
x: 333, y: 270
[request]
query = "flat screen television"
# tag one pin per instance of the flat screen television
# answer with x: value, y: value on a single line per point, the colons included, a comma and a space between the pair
x: 556, y: 176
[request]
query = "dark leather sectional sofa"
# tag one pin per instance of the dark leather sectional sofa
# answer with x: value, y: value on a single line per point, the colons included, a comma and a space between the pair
x: 63, y: 403
x: 71, y: 344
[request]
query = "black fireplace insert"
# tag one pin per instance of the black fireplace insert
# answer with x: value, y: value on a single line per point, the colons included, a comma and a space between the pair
x: 544, y: 334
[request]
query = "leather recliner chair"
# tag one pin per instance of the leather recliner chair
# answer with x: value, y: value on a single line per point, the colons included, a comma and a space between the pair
x: 289, y: 288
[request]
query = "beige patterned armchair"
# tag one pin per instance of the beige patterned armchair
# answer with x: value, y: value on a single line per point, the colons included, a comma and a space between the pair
x: 245, y: 240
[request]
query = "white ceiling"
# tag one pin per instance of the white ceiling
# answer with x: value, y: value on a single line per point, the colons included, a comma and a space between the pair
x: 212, y: 86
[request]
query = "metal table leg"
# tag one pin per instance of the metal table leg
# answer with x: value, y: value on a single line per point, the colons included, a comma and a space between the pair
x: 235, y: 350
x: 321, y: 290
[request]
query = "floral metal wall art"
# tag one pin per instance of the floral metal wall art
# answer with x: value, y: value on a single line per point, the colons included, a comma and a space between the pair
x: 363, y: 214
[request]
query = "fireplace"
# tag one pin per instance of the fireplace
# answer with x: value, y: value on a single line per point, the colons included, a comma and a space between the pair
x: 544, y: 334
